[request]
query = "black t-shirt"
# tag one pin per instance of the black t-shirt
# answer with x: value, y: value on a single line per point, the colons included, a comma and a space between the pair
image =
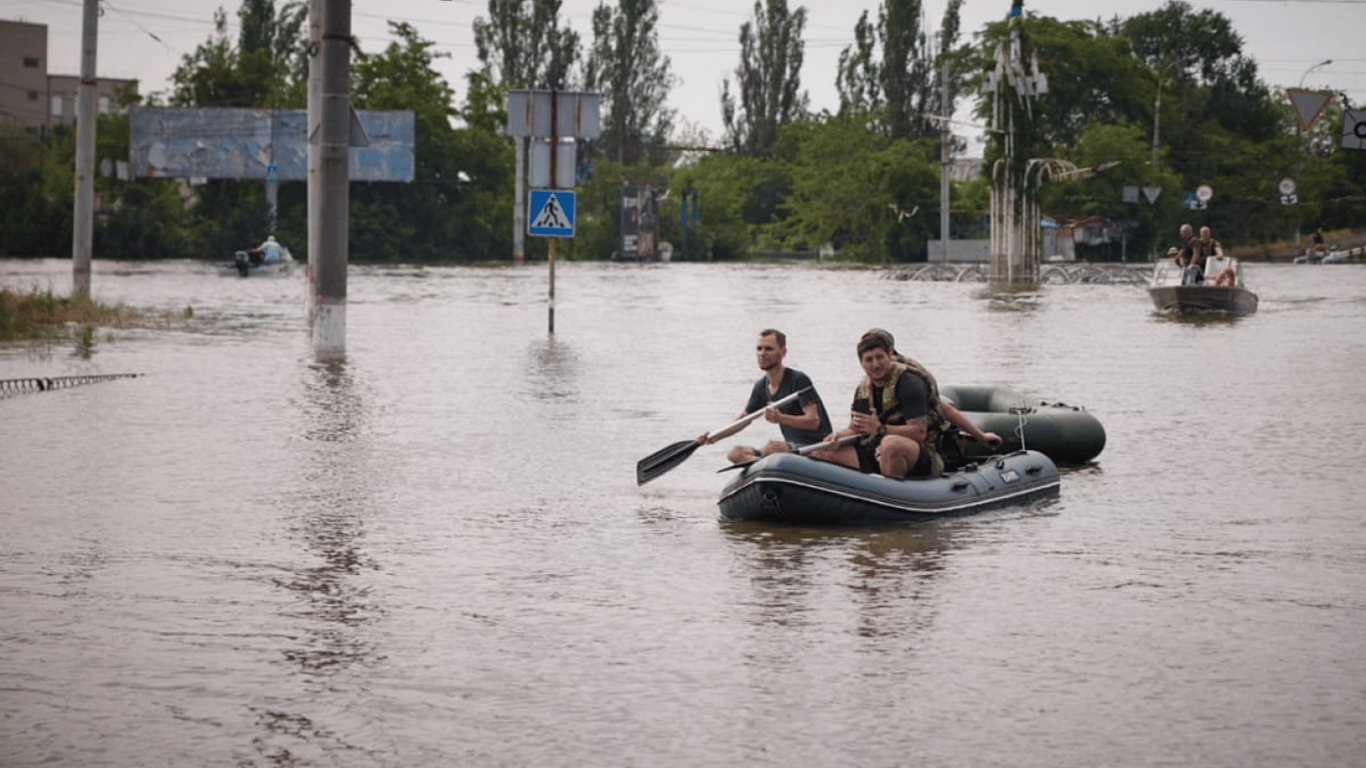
x: 911, y: 394
x: 792, y: 381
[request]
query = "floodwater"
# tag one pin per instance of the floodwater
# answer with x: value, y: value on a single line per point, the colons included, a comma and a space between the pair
x: 434, y: 552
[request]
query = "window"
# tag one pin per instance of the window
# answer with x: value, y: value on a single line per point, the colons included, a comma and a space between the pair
x: 31, y: 62
x: 57, y: 106
x: 104, y: 105
x: 32, y: 95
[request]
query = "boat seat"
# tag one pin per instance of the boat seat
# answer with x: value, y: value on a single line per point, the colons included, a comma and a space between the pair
x: 1215, y: 264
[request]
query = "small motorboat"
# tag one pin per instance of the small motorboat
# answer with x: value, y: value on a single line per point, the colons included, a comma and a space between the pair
x: 1334, y: 256
x: 1067, y: 434
x: 797, y: 489
x: 244, y: 265
x: 1171, y: 290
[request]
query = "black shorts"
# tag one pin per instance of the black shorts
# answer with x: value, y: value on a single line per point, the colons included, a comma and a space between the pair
x: 868, y: 461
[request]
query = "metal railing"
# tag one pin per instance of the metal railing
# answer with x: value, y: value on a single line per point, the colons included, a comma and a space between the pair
x: 10, y: 387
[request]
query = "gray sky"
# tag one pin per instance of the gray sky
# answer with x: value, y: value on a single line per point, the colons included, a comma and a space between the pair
x: 147, y: 39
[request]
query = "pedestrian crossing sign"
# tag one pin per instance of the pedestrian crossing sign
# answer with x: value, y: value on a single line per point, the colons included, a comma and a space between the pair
x: 550, y: 213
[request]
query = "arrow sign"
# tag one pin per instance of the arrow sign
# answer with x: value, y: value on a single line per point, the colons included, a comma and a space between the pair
x: 1308, y: 104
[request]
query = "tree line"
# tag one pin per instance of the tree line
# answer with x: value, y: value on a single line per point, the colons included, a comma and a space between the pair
x: 1164, y: 100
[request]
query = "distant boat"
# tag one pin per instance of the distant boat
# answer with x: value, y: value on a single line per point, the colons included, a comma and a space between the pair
x: 243, y: 266
x: 1171, y: 294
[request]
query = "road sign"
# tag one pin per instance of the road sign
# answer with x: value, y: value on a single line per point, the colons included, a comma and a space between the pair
x: 552, y: 213
x: 1290, y: 199
x: 1308, y: 105
x: 1286, y: 186
x: 1190, y: 201
x: 1354, y: 129
x: 1204, y: 193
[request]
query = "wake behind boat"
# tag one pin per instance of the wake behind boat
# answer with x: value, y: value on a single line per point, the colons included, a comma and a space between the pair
x: 792, y: 488
x: 1170, y: 293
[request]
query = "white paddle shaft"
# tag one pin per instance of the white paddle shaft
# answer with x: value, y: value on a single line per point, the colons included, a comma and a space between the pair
x: 744, y: 421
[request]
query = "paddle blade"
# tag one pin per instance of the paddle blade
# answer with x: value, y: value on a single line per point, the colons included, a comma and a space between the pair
x: 663, y: 460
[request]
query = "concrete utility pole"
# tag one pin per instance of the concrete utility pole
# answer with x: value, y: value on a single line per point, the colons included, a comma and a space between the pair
x: 314, y: 184
x: 83, y: 215
x: 331, y: 124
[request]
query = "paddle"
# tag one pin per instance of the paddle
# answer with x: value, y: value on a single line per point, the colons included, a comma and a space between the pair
x: 802, y: 451
x: 667, y: 458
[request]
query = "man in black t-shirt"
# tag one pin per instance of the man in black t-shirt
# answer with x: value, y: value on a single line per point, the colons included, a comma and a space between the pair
x: 803, y: 421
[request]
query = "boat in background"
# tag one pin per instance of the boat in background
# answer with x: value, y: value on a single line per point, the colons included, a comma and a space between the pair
x: 1066, y: 434
x: 243, y: 266
x: 1170, y: 292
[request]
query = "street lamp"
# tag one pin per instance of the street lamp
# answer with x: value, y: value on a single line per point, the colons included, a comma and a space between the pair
x: 1162, y: 72
x: 1323, y: 63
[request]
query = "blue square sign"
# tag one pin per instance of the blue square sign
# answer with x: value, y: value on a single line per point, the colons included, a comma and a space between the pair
x: 550, y: 213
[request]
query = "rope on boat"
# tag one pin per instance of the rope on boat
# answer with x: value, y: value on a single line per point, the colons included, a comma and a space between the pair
x: 20, y: 386
x: 1020, y: 411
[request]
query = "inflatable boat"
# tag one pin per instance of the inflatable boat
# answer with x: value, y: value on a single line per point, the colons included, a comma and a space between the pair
x: 797, y: 489
x: 1067, y: 434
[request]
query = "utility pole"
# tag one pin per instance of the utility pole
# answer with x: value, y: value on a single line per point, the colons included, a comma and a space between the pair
x: 332, y: 127
x: 83, y: 213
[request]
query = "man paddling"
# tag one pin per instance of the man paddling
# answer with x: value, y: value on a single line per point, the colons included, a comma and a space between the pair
x: 803, y: 421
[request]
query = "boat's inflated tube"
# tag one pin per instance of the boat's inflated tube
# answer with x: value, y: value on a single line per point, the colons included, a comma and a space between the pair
x: 1067, y: 434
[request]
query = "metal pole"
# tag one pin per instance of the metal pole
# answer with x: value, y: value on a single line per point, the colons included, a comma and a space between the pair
x: 272, y: 178
x: 519, y: 204
x: 334, y: 144
x: 554, y: 184
x: 944, y: 172
x: 1157, y: 112
x: 83, y: 213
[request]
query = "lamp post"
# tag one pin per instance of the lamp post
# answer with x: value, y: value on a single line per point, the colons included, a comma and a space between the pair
x: 1323, y: 63
x: 1162, y: 73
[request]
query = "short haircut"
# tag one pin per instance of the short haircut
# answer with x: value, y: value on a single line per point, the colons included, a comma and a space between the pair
x: 874, y: 339
x: 777, y: 335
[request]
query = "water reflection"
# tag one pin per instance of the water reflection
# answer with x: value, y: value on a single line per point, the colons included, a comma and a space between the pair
x: 330, y: 509
x: 1011, y: 298
x: 552, y: 370
x: 881, y: 572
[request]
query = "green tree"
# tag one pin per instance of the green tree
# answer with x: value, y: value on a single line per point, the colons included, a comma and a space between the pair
x: 218, y: 74
x: 33, y: 223
x: 626, y: 65
x: 522, y: 45
x: 768, y: 79
x: 438, y: 216
x: 892, y: 69
x: 855, y: 190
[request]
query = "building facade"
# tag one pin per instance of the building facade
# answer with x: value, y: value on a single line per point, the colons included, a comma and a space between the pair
x: 32, y: 97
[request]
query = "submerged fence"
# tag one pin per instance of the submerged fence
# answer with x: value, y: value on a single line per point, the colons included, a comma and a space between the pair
x: 10, y: 387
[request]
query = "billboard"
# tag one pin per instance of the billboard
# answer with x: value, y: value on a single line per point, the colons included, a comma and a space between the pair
x: 265, y: 144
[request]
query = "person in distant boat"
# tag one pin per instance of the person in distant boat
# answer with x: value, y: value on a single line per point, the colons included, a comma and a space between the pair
x: 1227, y: 278
x: 898, y: 410
x: 1202, y: 249
x: 1318, y: 249
x: 269, y: 251
x: 803, y: 421
x: 1184, y: 251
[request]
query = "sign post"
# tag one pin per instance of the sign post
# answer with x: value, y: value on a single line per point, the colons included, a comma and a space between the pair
x: 549, y: 116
